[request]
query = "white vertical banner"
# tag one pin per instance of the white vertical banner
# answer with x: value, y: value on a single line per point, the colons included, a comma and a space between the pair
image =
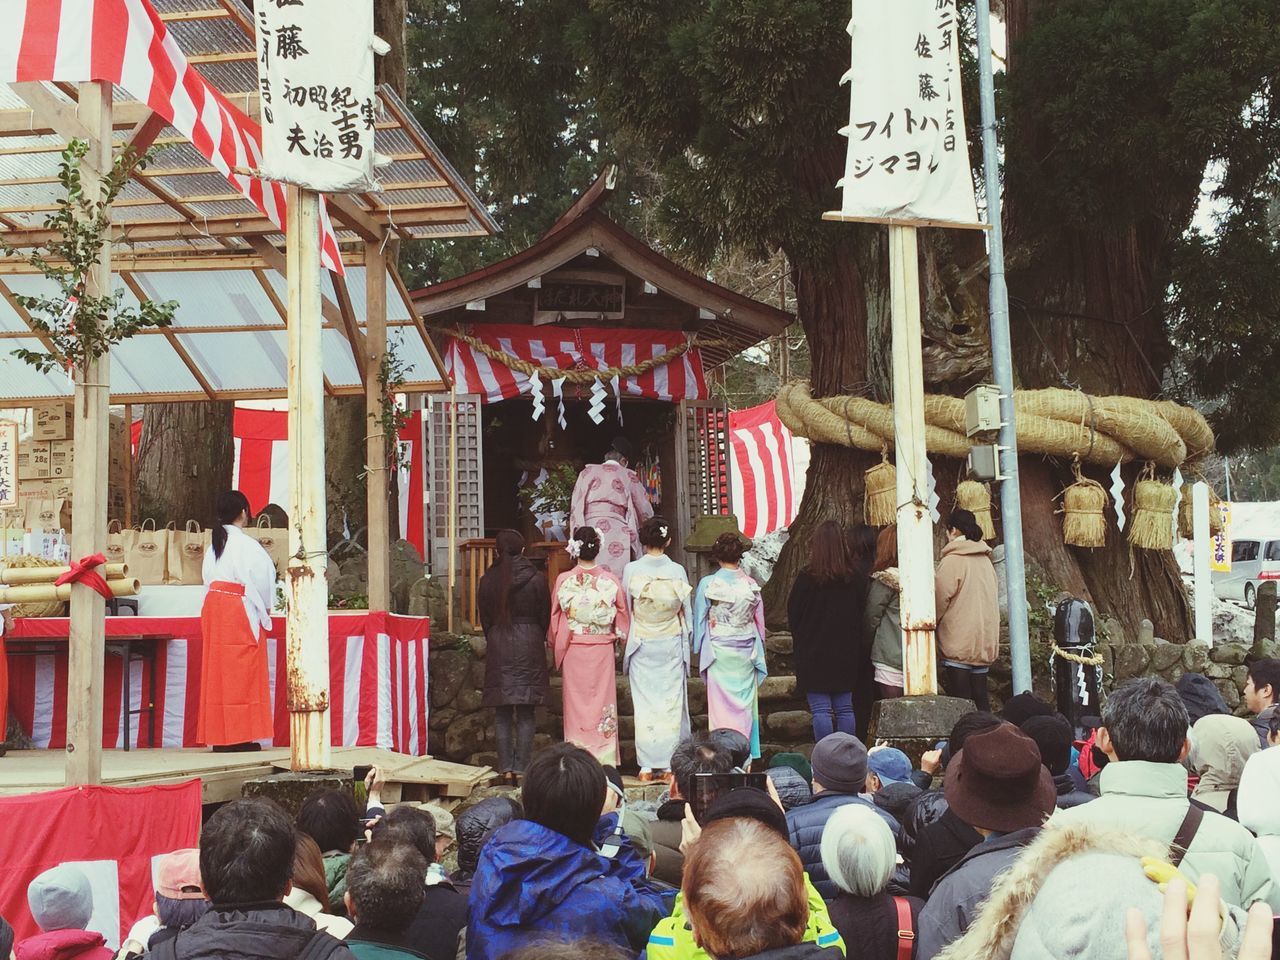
x: 8, y: 464
x: 315, y: 79
x: 908, y: 158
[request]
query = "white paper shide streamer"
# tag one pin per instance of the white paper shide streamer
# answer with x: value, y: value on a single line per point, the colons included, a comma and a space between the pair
x: 315, y: 86
x: 908, y: 157
x: 931, y: 487
x: 596, y: 408
x: 557, y: 390
x: 535, y: 394
x: 617, y: 396
x: 1117, y: 495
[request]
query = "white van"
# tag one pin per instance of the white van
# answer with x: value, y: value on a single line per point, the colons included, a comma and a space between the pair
x: 1253, y: 560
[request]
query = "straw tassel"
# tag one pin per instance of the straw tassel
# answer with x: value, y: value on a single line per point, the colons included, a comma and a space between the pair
x: 880, y: 506
x: 1153, y: 502
x: 976, y: 498
x: 1084, y: 520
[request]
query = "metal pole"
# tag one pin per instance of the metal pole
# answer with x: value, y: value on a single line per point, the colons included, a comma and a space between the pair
x: 915, y: 530
x: 1002, y: 367
x: 307, y: 632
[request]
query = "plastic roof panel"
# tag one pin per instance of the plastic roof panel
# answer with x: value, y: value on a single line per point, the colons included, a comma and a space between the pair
x: 153, y: 366
x: 209, y: 298
x: 23, y: 380
x: 231, y: 362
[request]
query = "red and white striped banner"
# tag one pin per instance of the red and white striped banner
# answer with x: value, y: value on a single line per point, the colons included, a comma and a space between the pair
x: 125, y: 42
x: 581, y: 348
x: 377, y: 682
x: 261, y: 470
x: 767, y: 479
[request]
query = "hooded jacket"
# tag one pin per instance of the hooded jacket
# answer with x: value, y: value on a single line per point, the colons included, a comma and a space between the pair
x: 883, y: 618
x: 515, y: 665
x: 672, y: 938
x: 533, y: 883
x: 1257, y: 803
x: 1031, y: 914
x: 63, y: 945
x: 249, y: 932
x: 1150, y: 799
x: 967, y: 605
x: 1220, y: 746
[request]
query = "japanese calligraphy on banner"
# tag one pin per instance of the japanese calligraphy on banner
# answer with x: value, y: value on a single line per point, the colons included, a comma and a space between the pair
x: 1220, y: 551
x: 315, y: 76
x: 908, y: 157
x: 8, y: 464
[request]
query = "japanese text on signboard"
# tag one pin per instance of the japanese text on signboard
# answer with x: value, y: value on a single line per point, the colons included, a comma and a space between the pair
x: 907, y: 155
x: 315, y: 79
x: 8, y: 464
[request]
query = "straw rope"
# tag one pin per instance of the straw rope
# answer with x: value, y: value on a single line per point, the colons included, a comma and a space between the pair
x: 1095, y: 661
x: 1055, y: 423
x: 580, y: 377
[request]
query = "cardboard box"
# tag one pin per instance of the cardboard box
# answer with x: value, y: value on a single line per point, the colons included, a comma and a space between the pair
x: 37, y: 490
x: 62, y: 457
x: 34, y: 461
x: 53, y: 421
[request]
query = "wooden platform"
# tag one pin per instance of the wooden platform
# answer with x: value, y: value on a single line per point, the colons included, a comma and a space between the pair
x: 223, y: 774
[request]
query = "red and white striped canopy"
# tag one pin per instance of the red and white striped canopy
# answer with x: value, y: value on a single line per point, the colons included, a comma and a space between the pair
x: 582, y: 348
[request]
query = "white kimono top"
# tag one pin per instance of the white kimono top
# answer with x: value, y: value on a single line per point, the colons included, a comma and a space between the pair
x: 244, y: 561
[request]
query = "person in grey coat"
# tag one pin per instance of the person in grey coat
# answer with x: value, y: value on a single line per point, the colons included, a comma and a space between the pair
x: 515, y: 612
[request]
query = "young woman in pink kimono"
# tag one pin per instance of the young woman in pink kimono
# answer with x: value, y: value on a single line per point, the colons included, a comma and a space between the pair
x: 588, y: 616
x: 610, y: 498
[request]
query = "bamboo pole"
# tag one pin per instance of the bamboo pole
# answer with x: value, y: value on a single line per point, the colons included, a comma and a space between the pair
x: 915, y: 531
x: 18, y: 576
x: 87, y: 641
x: 307, y: 630
x: 378, y: 487
x: 48, y: 592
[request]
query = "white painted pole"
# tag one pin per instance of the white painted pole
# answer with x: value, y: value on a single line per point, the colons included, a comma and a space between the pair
x: 307, y: 633
x: 1201, y: 549
x: 915, y: 530
x: 91, y: 424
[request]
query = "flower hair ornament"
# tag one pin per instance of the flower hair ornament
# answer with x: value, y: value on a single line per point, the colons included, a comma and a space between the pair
x: 573, y: 548
x: 662, y: 531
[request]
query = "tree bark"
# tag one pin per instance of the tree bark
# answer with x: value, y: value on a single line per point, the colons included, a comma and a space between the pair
x: 185, y: 458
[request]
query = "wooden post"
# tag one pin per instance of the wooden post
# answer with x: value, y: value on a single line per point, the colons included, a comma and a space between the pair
x: 915, y: 531
x: 307, y: 633
x: 378, y: 493
x: 453, y: 499
x: 91, y: 423
x: 1201, y: 547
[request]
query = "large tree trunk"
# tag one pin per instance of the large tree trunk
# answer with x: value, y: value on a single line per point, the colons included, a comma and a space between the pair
x: 185, y: 459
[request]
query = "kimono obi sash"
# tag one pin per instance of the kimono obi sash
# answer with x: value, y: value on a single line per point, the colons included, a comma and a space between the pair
x: 732, y: 601
x: 589, y: 604
x: 656, y: 606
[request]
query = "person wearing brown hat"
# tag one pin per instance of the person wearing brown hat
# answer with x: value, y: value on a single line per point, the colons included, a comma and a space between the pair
x: 998, y: 785
x: 839, y: 777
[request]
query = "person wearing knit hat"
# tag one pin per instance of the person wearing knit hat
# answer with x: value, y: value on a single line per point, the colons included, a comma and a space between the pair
x: 839, y: 777
x: 61, y: 903
x: 672, y: 938
x: 796, y: 761
x: 998, y: 785
x: 1053, y: 735
x: 1021, y: 707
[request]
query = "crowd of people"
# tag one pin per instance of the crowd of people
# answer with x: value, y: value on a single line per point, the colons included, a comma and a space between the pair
x: 1154, y: 837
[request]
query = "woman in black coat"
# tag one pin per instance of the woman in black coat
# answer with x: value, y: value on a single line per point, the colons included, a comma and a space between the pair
x: 825, y: 614
x: 515, y: 612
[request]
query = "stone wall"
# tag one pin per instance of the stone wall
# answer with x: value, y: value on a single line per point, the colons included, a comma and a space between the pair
x: 463, y: 731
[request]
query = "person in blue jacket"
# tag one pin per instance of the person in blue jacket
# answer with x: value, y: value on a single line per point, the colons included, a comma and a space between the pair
x: 564, y: 872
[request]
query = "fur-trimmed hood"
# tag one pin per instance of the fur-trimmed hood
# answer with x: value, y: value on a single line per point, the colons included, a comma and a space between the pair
x: 1082, y: 912
x: 889, y: 577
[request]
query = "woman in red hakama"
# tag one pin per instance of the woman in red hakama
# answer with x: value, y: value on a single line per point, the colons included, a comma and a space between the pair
x: 235, y: 696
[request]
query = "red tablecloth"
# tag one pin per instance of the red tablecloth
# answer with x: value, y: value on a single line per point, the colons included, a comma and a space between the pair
x: 377, y: 682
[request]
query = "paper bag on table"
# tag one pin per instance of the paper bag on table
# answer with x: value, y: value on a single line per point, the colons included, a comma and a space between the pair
x: 186, y: 553
x: 119, y: 541
x: 47, y: 515
x: 274, y: 541
x: 148, y: 556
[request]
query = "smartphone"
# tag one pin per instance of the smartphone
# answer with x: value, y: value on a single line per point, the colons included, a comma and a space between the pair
x: 708, y: 786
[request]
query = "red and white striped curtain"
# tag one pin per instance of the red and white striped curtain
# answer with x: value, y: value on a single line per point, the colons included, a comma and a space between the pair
x: 768, y: 470
x: 126, y: 42
x: 582, y: 348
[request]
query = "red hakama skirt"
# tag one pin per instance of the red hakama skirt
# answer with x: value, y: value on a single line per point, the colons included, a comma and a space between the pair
x: 235, y: 694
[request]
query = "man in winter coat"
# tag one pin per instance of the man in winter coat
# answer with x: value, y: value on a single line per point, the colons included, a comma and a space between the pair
x: 1261, y: 695
x: 246, y: 863
x: 543, y: 878
x: 673, y: 939
x: 384, y: 893
x: 61, y: 903
x: 698, y: 754
x: 967, y: 609
x: 1144, y: 791
x: 442, y: 911
x: 745, y: 895
x: 1054, y: 736
x: 998, y: 785
x: 839, y: 777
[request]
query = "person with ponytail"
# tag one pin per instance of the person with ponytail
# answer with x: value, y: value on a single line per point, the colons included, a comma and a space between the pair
x: 515, y: 612
x: 967, y: 611
x: 656, y: 659
x: 728, y: 640
x: 235, y: 699
x: 588, y: 615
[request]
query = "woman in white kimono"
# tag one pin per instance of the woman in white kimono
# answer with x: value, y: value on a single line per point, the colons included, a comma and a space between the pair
x: 657, y: 655
x: 235, y: 695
